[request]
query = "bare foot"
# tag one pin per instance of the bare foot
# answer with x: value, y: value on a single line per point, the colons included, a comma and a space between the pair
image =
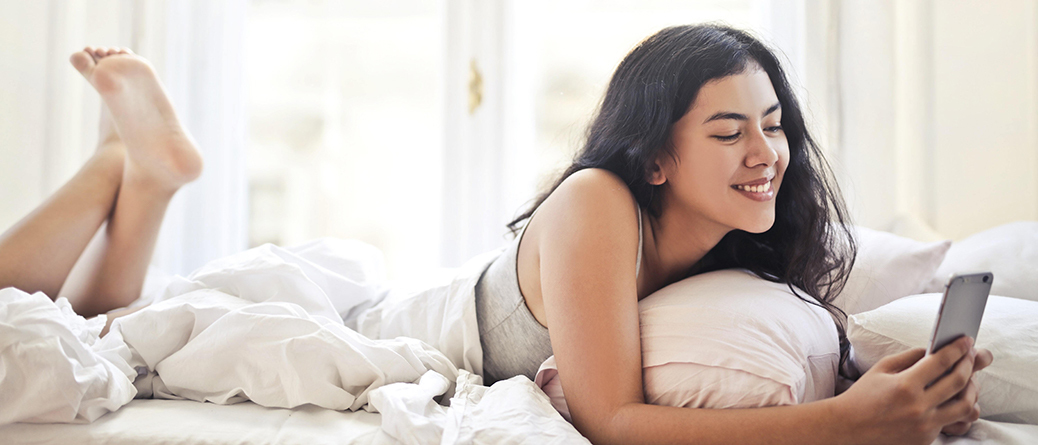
x: 158, y: 150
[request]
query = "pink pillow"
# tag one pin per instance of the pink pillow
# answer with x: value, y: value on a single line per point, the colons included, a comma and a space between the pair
x: 728, y: 339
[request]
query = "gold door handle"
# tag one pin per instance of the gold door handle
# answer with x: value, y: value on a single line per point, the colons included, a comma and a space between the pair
x: 475, y: 87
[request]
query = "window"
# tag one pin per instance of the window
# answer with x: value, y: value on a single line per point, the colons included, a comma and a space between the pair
x: 345, y: 124
x: 351, y: 102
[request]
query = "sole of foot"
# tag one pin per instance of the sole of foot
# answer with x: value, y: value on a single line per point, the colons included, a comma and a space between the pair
x: 159, y: 152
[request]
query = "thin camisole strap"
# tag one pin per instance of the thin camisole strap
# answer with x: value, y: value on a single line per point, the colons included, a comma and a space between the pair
x: 638, y: 262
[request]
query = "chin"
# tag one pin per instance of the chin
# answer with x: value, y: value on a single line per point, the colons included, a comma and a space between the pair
x: 759, y: 227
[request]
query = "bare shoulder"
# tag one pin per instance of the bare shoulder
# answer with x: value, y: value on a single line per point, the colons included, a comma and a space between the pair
x: 592, y: 195
x: 589, y: 218
x: 595, y: 183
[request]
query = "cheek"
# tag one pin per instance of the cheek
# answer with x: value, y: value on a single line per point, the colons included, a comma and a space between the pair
x: 716, y: 172
x: 783, y: 157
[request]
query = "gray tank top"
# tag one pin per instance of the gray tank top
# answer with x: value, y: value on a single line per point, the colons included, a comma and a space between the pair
x: 514, y: 342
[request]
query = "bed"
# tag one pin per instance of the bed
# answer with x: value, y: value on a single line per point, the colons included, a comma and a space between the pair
x: 432, y: 400
x: 190, y: 422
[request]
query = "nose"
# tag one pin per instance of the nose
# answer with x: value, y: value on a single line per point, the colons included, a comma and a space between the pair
x: 759, y: 151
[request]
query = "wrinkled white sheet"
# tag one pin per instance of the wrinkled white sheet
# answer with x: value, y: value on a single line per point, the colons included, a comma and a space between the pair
x: 53, y: 367
x: 273, y: 326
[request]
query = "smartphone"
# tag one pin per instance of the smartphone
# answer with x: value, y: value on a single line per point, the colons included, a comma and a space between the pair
x: 965, y: 296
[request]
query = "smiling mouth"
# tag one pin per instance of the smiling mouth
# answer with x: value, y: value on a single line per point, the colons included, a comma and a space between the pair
x: 762, y: 188
x: 760, y: 192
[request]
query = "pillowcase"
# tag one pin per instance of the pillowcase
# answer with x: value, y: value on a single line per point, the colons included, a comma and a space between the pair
x: 888, y: 267
x: 1008, y: 388
x: 1009, y: 251
x: 728, y: 339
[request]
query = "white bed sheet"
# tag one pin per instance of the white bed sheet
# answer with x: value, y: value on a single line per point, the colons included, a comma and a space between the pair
x: 189, y: 422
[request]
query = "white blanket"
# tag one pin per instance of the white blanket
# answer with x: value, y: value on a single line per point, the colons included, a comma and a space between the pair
x: 273, y: 325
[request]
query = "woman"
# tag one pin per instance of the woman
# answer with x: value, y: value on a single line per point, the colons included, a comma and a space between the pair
x: 699, y: 159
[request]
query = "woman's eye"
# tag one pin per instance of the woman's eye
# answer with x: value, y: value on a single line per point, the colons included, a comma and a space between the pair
x: 728, y: 138
x: 774, y: 129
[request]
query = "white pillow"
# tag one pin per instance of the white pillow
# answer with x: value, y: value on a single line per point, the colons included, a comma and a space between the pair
x: 728, y: 339
x: 1008, y: 388
x: 1009, y: 251
x: 888, y: 267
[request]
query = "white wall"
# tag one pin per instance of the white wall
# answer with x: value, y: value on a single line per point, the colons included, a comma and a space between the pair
x: 985, y: 141
x: 936, y: 117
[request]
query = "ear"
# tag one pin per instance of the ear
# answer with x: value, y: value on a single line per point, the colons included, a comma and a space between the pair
x: 656, y: 175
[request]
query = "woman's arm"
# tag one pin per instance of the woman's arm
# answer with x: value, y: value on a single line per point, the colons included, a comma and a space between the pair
x: 587, y: 253
x: 889, y: 404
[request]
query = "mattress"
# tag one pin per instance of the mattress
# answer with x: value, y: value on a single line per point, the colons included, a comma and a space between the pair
x: 189, y: 422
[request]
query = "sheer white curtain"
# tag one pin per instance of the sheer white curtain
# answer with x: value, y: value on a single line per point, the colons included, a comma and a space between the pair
x: 200, y: 44
x: 49, y: 115
x: 930, y: 108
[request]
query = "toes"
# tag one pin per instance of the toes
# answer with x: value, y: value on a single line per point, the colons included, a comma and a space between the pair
x: 82, y: 61
x: 104, y: 51
x: 92, y: 52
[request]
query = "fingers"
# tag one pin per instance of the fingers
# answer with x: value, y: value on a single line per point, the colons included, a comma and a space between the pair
x: 963, y: 426
x: 957, y: 428
x: 961, y: 408
x: 952, y: 384
x: 899, y: 362
x: 983, y: 359
x: 933, y: 367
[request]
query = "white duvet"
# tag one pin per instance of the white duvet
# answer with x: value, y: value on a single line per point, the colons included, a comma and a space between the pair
x: 283, y: 328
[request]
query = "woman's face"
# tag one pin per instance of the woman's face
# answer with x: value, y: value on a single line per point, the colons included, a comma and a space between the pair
x: 731, y: 154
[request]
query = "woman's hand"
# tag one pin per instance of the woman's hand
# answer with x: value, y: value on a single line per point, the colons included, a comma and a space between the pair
x: 982, y: 359
x: 908, y: 398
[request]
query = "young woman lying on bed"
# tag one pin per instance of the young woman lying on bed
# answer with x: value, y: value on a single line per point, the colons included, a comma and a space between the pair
x: 699, y: 159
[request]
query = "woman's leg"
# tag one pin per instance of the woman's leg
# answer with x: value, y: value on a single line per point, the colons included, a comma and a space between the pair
x: 160, y: 158
x: 37, y: 253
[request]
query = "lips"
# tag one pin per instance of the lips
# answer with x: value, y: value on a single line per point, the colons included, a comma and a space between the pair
x: 762, y: 192
x: 760, y: 181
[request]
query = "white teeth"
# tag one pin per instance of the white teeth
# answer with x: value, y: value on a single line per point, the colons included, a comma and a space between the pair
x: 763, y: 188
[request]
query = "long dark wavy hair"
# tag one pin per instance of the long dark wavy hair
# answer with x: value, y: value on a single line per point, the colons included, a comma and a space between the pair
x: 810, y: 246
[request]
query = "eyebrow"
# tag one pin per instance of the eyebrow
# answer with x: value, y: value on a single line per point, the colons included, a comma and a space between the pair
x: 741, y: 117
